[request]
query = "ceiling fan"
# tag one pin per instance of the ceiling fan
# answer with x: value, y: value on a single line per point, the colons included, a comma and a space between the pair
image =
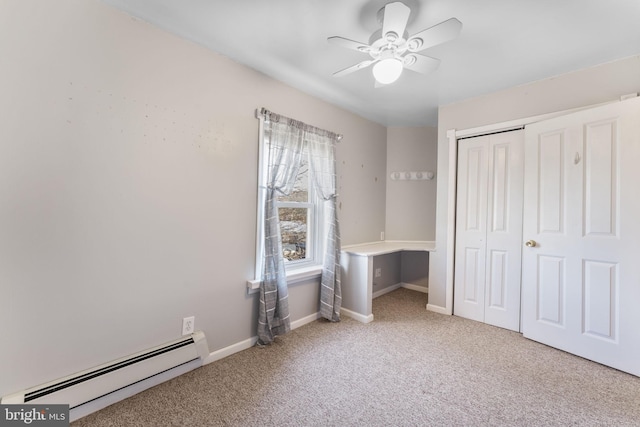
x: 392, y: 49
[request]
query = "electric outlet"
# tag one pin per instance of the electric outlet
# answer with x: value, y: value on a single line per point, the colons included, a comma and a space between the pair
x: 378, y: 272
x: 188, y: 325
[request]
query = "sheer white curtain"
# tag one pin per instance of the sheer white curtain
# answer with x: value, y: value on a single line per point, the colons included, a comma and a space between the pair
x: 321, y: 147
x: 287, y: 140
x: 284, y: 157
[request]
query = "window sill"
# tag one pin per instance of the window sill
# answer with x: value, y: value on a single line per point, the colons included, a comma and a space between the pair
x: 293, y: 276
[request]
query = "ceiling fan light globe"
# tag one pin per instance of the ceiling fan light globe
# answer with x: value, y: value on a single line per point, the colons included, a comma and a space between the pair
x: 387, y: 71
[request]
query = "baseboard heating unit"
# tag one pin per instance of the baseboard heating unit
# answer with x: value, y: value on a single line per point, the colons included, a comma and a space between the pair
x: 91, y: 390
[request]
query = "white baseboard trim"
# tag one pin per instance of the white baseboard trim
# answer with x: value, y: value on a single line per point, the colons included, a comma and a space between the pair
x: 413, y: 287
x: 357, y: 316
x: 232, y: 349
x: 386, y: 290
x: 308, y: 319
x: 438, y: 309
x: 392, y: 288
x: 248, y: 343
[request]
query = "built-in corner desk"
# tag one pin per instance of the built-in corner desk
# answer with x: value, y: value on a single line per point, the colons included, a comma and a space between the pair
x: 357, y: 273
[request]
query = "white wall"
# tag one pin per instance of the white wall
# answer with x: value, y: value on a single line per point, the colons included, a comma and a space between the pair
x: 411, y: 209
x: 128, y: 164
x: 594, y: 85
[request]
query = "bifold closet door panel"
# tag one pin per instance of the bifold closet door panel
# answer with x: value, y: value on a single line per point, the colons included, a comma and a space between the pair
x: 471, y: 228
x: 489, y: 229
x: 504, y: 230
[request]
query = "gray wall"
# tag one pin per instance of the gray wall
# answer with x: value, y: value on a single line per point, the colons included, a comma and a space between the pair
x: 411, y: 267
x: 415, y: 268
x: 411, y: 208
x: 390, y: 270
x: 594, y: 85
x: 128, y: 170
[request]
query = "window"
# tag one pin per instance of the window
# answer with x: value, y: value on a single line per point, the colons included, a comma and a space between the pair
x: 295, y: 213
x: 300, y: 214
x: 289, y: 219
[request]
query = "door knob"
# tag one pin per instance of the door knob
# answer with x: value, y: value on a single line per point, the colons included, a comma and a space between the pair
x: 530, y: 243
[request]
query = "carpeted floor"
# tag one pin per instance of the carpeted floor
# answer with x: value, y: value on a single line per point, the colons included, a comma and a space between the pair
x: 409, y: 367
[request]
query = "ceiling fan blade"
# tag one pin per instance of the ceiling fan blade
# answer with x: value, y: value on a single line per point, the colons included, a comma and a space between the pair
x: 353, y: 68
x: 396, y: 16
x: 439, y: 33
x: 420, y: 63
x: 349, y: 44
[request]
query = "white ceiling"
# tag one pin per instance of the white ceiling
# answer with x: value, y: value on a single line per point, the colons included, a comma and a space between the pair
x: 503, y: 43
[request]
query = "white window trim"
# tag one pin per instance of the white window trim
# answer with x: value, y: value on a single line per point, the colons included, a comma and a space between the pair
x: 297, y: 271
x: 294, y: 276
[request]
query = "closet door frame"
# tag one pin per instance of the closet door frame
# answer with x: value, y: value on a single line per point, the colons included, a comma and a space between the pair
x: 452, y: 137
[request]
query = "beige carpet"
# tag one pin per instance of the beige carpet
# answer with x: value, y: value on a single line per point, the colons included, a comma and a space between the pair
x: 409, y: 367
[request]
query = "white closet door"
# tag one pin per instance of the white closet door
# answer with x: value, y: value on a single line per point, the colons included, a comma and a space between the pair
x: 489, y: 229
x: 504, y: 230
x: 581, y: 270
x: 471, y: 228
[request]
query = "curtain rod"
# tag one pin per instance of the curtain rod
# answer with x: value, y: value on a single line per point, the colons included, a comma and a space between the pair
x: 268, y: 115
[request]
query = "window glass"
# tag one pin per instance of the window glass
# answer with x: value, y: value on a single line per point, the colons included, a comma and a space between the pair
x: 293, y: 229
x: 295, y: 212
x: 300, y: 192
